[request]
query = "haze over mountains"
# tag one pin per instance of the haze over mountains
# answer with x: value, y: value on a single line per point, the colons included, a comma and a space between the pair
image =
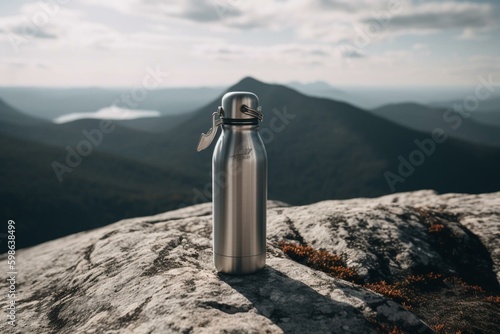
x: 318, y: 149
x: 50, y: 103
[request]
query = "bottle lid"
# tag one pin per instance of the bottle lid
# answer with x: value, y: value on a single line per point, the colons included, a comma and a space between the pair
x: 240, y: 106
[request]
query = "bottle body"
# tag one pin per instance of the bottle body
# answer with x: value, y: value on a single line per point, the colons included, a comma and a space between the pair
x: 239, y: 180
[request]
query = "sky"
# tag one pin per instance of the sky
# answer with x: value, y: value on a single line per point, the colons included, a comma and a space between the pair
x: 104, y: 43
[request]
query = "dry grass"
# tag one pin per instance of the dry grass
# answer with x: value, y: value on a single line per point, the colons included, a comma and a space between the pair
x: 407, y: 291
x: 436, y: 228
x: 321, y: 260
x: 415, y: 292
x: 441, y: 329
x: 493, y: 299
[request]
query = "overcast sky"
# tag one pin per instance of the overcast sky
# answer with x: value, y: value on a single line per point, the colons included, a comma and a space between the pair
x: 217, y: 42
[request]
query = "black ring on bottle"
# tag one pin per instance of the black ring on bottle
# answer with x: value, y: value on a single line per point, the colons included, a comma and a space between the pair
x: 240, y: 121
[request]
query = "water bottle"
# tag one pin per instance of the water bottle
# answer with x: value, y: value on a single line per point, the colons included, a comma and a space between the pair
x: 239, y: 185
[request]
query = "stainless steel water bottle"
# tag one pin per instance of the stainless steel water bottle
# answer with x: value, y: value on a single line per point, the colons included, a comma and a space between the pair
x: 239, y: 181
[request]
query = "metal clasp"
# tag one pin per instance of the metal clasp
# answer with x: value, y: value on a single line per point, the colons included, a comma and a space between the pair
x: 207, y: 138
x: 252, y: 112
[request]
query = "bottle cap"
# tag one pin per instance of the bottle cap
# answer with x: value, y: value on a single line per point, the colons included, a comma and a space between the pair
x: 240, y: 106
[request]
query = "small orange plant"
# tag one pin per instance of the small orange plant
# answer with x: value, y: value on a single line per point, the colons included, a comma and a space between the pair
x: 436, y: 228
x: 320, y: 260
x: 493, y: 299
x: 439, y: 329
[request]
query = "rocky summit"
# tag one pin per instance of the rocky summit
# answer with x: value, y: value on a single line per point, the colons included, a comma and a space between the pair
x: 155, y: 274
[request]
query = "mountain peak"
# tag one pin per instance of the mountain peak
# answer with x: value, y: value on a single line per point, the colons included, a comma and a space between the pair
x: 260, y: 88
x: 248, y: 80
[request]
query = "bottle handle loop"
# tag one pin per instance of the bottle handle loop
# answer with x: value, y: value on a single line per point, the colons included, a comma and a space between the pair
x: 252, y: 112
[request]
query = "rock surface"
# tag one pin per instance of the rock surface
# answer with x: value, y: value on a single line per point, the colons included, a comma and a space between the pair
x: 155, y: 274
x: 391, y: 236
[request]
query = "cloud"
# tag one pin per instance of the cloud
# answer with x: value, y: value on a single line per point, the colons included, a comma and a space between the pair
x: 68, y: 28
x: 36, y: 23
x: 352, y: 54
x: 266, y: 35
x: 33, y: 22
x: 473, y: 34
x: 191, y: 10
x: 31, y: 31
x: 339, y: 5
x: 202, y: 11
x: 442, y: 16
x: 199, y: 11
x: 292, y: 53
x: 421, y: 49
x: 409, y: 18
x: 420, y: 46
x: 331, y: 21
x: 22, y: 63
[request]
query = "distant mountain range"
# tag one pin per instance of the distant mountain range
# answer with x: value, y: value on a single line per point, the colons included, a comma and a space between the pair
x: 491, y: 104
x: 422, y: 118
x: 10, y: 115
x: 371, y: 97
x: 50, y: 103
x: 318, y: 149
x: 102, y: 189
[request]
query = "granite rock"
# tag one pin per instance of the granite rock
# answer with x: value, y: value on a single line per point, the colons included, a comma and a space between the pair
x: 155, y: 274
x: 393, y: 236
